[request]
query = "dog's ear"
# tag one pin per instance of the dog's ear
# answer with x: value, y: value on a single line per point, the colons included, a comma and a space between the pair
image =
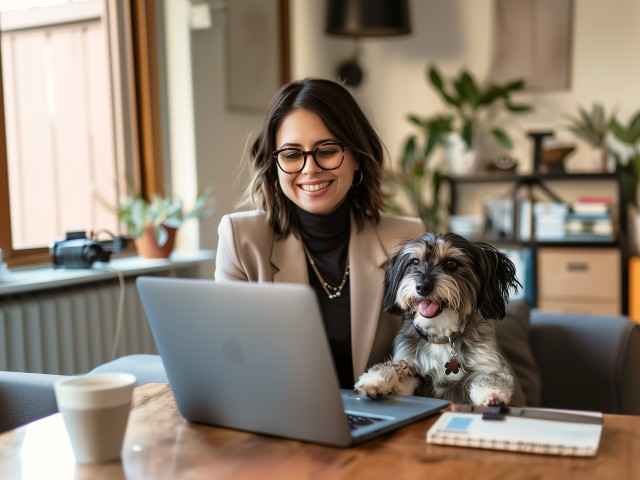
x: 497, y: 277
x: 392, y: 278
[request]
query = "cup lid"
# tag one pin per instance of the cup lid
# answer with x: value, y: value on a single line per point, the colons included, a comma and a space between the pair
x: 100, y: 390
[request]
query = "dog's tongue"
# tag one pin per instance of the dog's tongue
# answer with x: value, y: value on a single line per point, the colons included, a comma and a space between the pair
x: 428, y: 308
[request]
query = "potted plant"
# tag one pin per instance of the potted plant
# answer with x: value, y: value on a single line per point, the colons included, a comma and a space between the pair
x: 417, y: 178
x: 593, y: 127
x: 476, y: 111
x: 153, y: 225
x: 413, y: 179
x: 624, y: 144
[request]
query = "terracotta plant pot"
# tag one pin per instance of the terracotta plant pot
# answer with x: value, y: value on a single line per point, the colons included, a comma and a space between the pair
x: 148, y: 247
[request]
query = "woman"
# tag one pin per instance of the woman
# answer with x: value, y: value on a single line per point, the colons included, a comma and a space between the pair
x: 317, y: 168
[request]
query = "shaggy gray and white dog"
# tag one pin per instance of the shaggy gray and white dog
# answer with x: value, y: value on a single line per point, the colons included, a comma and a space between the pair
x: 449, y: 291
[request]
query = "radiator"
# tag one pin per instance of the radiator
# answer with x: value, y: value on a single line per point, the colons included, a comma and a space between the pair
x: 70, y: 330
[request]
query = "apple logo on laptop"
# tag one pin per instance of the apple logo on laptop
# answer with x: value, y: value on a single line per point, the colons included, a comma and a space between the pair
x: 232, y: 350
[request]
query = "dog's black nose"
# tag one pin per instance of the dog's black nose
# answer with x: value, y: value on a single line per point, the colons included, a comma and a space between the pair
x: 424, y: 288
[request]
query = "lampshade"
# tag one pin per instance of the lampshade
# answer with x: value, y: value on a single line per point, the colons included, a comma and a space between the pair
x: 368, y: 18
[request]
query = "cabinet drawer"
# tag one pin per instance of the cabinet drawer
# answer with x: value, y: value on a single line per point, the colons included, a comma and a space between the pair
x: 583, y: 308
x: 592, y: 274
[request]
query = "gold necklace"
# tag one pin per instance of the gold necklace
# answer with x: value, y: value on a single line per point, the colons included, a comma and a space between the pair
x: 331, y: 291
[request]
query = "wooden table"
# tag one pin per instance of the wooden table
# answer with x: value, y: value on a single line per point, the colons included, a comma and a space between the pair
x: 161, y: 444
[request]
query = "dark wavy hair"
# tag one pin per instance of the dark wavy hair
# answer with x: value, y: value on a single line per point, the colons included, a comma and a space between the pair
x: 343, y: 117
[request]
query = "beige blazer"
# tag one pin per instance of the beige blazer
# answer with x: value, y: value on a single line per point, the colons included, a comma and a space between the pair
x: 248, y: 251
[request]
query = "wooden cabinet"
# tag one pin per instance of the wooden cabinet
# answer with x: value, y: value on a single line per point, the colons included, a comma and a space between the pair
x: 579, y: 280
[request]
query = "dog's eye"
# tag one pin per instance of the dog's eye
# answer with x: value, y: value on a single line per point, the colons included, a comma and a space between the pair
x: 450, y: 265
x: 414, y: 261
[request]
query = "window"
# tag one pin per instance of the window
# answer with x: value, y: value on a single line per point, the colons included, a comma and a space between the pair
x: 80, y: 118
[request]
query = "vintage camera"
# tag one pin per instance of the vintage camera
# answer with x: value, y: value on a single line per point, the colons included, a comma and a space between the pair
x: 78, y: 251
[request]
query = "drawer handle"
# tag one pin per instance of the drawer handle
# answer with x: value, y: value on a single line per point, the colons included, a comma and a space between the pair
x: 577, y: 267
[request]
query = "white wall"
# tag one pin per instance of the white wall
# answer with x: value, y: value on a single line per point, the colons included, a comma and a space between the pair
x: 221, y: 135
x: 458, y: 33
x: 451, y: 33
x: 207, y: 141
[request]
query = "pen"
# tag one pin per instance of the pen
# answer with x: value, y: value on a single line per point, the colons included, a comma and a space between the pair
x: 500, y: 411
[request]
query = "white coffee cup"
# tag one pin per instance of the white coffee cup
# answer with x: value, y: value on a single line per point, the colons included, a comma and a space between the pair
x: 95, y: 409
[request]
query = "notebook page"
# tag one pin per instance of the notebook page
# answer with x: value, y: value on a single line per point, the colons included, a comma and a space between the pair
x: 469, y: 429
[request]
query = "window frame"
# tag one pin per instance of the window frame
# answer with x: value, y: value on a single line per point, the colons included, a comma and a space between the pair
x: 142, y: 14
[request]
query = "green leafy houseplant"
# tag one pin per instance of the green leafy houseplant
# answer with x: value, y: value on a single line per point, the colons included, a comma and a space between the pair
x: 161, y: 215
x: 474, y: 107
x: 593, y: 126
x: 471, y: 105
x: 625, y: 146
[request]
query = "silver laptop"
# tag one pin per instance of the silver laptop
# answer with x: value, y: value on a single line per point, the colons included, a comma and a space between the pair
x: 255, y: 357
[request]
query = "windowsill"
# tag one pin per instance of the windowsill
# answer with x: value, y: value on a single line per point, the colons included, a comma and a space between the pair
x: 21, y: 280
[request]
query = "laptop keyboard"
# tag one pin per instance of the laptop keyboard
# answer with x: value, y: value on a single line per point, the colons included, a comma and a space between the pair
x: 358, y: 421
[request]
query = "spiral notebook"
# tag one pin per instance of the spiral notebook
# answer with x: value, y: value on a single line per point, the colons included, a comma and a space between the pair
x: 518, y: 434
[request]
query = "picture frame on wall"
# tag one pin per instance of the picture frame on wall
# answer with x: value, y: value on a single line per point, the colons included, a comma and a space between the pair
x: 257, y: 38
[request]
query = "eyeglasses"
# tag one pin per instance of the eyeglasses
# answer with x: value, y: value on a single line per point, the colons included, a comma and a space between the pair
x: 328, y: 156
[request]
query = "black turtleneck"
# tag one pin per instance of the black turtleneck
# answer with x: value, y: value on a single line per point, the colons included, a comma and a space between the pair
x: 326, y: 237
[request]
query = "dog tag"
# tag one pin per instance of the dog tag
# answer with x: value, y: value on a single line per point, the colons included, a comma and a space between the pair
x: 452, y: 366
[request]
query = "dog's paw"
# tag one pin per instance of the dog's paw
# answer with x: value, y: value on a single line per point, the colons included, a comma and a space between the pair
x: 375, y: 384
x: 489, y: 396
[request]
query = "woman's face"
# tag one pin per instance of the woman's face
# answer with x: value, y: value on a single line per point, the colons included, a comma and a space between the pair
x: 313, y: 189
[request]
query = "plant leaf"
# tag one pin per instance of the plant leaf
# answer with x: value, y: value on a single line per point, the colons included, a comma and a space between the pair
x: 417, y: 120
x: 502, y: 138
x: 438, y: 83
x: 409, y: 153
x: 161, y: 235
x: 620, y: 132
x: 435, y: 77
x: 461, y: 88
x: 634, y: 128
x: 434, y: 138
x: 586, y: 119
x: 467, y: 88
x: 467, y: 133
x: 490, y: 95
x: 514, y: 85
x: 517, y: 107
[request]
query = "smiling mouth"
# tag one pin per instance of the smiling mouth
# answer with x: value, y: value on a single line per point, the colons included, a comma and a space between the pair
x: 315, y: 187
x: 430, y: 308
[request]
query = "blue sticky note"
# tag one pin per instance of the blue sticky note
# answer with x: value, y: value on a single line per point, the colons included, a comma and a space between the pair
x: 458, y: 424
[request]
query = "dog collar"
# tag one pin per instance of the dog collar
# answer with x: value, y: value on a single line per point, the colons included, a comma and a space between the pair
x: 453, y: 365
x: 439, y: 339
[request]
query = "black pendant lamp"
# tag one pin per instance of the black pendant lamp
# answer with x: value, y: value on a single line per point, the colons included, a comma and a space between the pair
x: 365, y: 18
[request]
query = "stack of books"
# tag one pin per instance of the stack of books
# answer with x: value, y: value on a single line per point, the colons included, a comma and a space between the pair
x: 590, y: 219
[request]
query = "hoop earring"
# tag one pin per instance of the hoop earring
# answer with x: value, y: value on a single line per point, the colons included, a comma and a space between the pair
x: 360, y: 180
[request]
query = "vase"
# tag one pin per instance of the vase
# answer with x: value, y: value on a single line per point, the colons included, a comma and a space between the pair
x: 148, y: 247
x: 607, y: 161
x: 460, y: 159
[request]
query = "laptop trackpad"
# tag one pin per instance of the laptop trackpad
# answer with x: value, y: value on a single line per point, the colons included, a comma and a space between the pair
x: 391, y: 407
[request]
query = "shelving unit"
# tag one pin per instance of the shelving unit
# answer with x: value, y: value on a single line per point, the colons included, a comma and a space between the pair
x: 531, y: 181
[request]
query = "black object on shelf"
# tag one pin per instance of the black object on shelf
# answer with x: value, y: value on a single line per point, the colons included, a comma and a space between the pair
x: 538, y: 140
